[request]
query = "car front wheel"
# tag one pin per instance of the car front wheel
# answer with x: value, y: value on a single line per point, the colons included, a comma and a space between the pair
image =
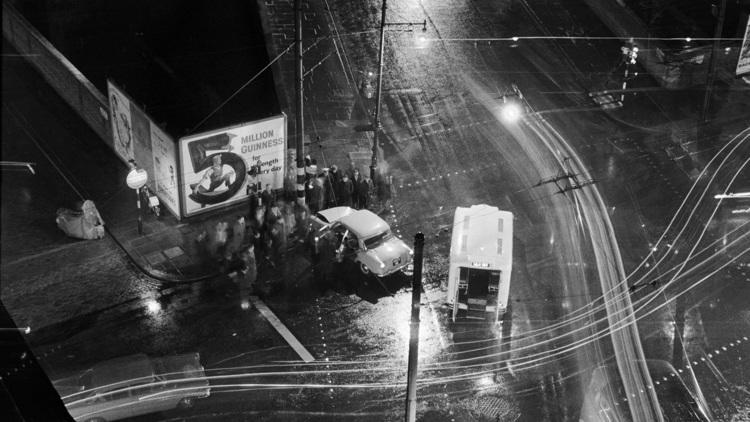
x: 364, y: 269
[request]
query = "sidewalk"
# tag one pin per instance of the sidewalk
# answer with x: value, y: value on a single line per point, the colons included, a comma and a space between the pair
x: 168, y: 249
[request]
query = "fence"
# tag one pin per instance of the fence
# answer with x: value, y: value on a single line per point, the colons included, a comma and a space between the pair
x: 68, y: 81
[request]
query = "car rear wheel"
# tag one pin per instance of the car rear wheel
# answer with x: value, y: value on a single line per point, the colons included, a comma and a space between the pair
x: 185, y: 403
x: 364, y: 269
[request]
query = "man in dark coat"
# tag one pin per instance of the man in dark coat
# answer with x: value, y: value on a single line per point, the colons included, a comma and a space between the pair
x: 253, y: 189
x: 347, y: 190
x: 363, y: 192
x: 329, y: 191
x: 268, y: 197
x: 316, y: 195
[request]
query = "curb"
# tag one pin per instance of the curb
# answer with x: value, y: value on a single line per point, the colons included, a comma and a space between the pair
x: 159, y: 275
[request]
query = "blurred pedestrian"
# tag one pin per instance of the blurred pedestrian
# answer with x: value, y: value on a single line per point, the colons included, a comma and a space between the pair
x: 252, y: 235
x: 323, y: 259
x: 350, y: 171
x: 301, y: 217
x: 287, y: 211
x: 217, y: 239
x: 248, y: 276
x: 311, y: 168
x: 317, y: 199
x: 235, y: 243
x: 278, y: 242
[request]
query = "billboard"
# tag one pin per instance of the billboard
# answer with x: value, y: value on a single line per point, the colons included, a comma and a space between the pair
x: 214, y: 164
x: 743, y: 62
x: 135, y: 136
x: 120, y: 121
x: 165, y: 169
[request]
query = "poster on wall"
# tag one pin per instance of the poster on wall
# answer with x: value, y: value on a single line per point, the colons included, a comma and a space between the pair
x: 136, y: 137
x: 119, y: 117
x: 165, y: 169
x: 743, y: 61
x: 214, y: 164
x: 142, y: 151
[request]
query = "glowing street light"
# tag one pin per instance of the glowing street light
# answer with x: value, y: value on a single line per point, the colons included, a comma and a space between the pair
x: 510, y: 112
x: 512, y: 108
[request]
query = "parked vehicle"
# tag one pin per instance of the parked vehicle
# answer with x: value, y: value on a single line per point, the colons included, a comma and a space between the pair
x: 363, y: 237
x: 481, y: 260
x: 133, y: 385
x: 150, y: 198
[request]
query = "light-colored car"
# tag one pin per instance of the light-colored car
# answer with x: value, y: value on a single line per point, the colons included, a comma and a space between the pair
x: 133, y: 385
x: 363, y: 237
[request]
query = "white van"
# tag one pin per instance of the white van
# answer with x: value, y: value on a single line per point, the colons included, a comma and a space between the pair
x: 481, y: 259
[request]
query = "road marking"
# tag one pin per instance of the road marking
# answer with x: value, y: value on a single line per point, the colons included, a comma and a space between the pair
x: 281, y: 328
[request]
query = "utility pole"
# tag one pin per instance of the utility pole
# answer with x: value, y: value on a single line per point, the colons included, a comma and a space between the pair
x: 298, y: 74
x: 416, y: 299
x: 719, y: 29
x: 377, y: 126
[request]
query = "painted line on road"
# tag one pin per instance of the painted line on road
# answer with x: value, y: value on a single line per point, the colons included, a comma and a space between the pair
x: 281, y: 328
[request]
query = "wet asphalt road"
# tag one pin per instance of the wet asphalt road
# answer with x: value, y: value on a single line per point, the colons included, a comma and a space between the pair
x: 441, y: 133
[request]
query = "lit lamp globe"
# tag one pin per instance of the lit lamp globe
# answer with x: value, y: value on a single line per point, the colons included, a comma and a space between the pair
x: 137, y: 178
x: 511, y: 112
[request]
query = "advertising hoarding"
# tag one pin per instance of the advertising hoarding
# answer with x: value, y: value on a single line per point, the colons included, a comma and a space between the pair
x: 136, y: 137
x: 120, y: 121
x: 165, y: 169
x: 214, y: 164
x: 743, y: 62
x: 142, y: 140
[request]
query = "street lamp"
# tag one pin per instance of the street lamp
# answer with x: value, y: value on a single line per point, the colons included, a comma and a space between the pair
x: 136, y: 179
x: 377, y: 125
x: 512, y: 108
x: 510, y: 112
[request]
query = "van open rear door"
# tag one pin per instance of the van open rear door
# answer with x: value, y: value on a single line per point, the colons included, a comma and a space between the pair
x: 477, y: 294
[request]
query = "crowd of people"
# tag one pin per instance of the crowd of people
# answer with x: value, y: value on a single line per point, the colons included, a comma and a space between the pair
x: 275, y: 220
x: 331, y: 187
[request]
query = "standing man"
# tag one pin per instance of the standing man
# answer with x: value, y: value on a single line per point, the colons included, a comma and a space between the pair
x: 363, y: 192
x: 317, y: 197
x: 329, y: 191
x: 347, y: 189
x: 253, y: 188
x: 355, y: 189
x: 268, y: 197
x: 350, y: 171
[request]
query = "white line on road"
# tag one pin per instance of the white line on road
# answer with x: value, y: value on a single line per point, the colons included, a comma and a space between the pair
x: 281, y: 328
